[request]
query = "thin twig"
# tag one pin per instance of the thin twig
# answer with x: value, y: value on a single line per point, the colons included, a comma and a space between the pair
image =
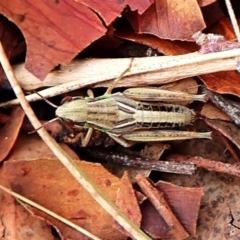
x: 210, y: 165
x: 60, y: 218
x: 142, y: 163
x: 66, y: 160
x: 233, y: 19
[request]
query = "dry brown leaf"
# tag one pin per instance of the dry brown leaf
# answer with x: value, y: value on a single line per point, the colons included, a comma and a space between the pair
x: 184, y: 202
x: 31, y: 147
x: 18, y: 224
x: 229, y: 130
x: 9, y: 133
x: 164, y: 46
x: 7, y: 214
x: 203, y: 3
x: 30, y: 227
x: 169, y: 19
x: 47, y: 182
x: 226, y: 81
x: 127, y: 202
x: 212, y: 112
x: 62, y: 28
x: 220, y: 190
x: 219, y: 203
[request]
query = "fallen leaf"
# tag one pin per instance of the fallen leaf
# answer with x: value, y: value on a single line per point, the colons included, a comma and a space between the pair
x: 127, y: 202
x: 61, y: 29
x: 211, y: 112
x: 203, y: 3
x: 164, y: 46
x: 11, y: 38
x: 212, y: 12
x: 9, y: 133
x: 31, y: 227
x: 228, y: 129
x: 169, y: 20
x: 219, y: 205
x: 184, y: 203
x: 48, y: 183
x: 152, y: 222
x: 18, y: 224
x: 224, y: 82
x: 31, y: 147
x: 7, y: 214
x: 220, y: 190
x: 157, y: 198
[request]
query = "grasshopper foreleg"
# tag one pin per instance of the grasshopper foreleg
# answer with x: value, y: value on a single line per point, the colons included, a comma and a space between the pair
x: 120, y: 140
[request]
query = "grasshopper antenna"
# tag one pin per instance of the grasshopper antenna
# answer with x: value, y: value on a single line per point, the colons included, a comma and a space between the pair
x: 51, y: 104
x: 47, y: 101
x: 50, y: 121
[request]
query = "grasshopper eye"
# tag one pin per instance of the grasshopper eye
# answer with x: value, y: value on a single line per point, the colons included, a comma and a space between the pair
x: 69, y: 99
x: 66, y: 99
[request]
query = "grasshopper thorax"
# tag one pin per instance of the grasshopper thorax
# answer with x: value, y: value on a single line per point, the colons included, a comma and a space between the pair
x: 74, y: 110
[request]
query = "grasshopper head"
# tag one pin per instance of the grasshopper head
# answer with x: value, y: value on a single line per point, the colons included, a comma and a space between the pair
x: 74, y: 110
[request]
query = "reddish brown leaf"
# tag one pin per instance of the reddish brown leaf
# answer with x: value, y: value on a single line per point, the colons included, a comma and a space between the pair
x: 212, y: 112
x: 31, y: 227
x: 55, y: 31
x: 7, y: 213
x: 218, y: 216
x: 170, y: 19
x: 36, y: 148
x: 223, y: 82
x: 164, y: 46
x: 229, y: 130
x: 211, y: 12
x: 184, y: 202
x: 17, y: 223
x: 157, y: 198
x: 10, y: 37
x: 128, y: 203
x: 226, y: 81
x: 152, y: 222
x: 9, y: 133
x: 203, y: 3
x: 109, y: 10
x: 49, y: 184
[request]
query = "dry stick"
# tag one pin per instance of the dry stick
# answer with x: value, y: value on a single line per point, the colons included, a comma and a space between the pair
x: 60, y: 218
x: 66, y: 160
x: 208, y: 164
x: 157, y: 70
x: 233, y: 19
x: 143, y: 163
x: 157, y: 199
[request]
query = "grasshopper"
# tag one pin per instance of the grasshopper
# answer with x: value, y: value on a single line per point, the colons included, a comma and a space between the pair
x: 131, y: 116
